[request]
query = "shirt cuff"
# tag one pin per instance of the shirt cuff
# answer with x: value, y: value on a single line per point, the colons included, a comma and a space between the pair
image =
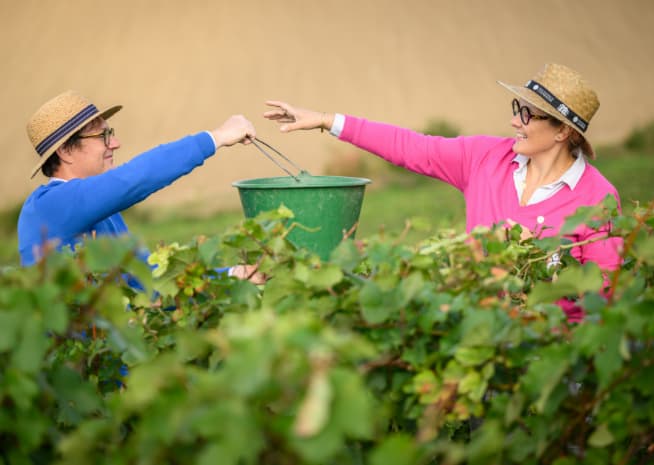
x: 215, y: 147
x: 337, y: 126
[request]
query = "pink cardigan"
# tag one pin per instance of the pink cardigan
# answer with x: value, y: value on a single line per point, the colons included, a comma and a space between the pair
x: 482, y: 167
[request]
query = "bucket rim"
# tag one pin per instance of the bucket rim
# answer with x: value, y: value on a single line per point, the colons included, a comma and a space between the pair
x: 288, y: 182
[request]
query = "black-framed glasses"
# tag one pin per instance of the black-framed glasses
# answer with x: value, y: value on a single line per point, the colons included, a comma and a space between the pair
x: 106, y: 135
x: 525, y: 113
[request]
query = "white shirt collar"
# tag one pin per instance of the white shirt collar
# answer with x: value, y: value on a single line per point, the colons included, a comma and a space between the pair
x: 571, y: 176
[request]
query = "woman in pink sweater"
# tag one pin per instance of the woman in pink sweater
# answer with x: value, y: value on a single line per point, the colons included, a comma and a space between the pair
x: 536, y: 179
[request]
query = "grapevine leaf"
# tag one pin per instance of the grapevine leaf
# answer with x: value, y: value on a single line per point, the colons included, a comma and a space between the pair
x: 346, y: 255
x: 397, y: 449
x: 601, y: 437
x: 10, y: 324
x: 374, y: 306
x: 32, y: 345
x: 571, y: 282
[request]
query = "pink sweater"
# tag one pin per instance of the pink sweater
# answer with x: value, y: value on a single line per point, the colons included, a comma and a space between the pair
x: 482, y: 167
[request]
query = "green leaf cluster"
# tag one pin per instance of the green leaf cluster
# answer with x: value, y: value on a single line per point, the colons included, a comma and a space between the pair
x: 449, y: 351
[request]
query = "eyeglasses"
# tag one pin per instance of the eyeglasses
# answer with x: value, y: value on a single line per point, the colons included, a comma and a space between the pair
x: 525, y: 113
x: 106, y: 135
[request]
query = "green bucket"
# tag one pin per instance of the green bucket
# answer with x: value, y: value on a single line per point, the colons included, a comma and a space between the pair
x: 328, y: 204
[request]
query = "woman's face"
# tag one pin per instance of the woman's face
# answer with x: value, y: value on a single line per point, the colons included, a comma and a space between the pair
x: 535, y: 137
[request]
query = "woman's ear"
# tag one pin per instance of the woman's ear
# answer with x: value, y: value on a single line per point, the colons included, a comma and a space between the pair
x: 563, y: 133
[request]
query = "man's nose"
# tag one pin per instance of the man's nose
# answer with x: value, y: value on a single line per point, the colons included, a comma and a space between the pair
x: 114, y: 143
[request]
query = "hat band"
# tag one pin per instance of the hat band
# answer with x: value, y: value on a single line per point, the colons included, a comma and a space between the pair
x: 558, y: 105
x: 65, y: 128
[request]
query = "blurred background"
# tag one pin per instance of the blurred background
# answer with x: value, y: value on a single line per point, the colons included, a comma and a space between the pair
x: 181, y: 67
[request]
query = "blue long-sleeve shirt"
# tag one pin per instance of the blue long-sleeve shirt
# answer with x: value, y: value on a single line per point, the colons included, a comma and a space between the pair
x: 69, y: 210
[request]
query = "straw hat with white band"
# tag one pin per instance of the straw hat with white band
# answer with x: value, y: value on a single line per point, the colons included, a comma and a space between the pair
x: 58, y: 119
x: 564, y: 95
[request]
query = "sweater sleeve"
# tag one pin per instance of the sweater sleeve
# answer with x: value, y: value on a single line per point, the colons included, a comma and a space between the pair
x: 449, y: 159
x: 76, y: 205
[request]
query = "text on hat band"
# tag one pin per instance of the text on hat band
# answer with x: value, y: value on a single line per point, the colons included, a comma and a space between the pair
x: 558, y: 105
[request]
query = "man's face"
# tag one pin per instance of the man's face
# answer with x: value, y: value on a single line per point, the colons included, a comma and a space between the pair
x: 93, y: 155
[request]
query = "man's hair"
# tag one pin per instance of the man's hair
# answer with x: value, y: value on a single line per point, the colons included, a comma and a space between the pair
x: 73, y: 142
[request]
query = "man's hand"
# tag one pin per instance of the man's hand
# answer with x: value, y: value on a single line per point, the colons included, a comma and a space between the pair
x: 250, y: 273
x: 236, y: 129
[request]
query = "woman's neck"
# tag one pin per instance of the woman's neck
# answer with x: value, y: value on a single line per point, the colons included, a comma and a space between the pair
x: 545, y: 169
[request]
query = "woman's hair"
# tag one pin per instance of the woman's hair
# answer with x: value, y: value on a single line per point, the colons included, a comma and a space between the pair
x: 575, y: 140
x: 73, y: 142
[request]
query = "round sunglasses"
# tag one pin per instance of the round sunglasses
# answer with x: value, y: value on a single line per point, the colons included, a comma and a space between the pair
x: 525, y: 113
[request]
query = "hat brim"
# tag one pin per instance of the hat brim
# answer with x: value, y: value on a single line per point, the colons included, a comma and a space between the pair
x: 106, y: 114
x: 540, y: 103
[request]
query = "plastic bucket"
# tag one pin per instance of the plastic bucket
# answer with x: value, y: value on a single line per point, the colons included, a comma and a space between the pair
x: 330, y: 204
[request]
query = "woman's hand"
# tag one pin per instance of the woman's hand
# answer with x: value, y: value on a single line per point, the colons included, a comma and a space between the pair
x: 236, y: 129
x: 525, y: 232
x: 292, y: 118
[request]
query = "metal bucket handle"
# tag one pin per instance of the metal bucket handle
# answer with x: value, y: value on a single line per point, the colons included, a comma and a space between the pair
x: 262, y: 150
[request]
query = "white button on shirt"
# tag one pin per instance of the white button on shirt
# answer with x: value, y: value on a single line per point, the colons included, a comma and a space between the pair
x: 570, y: 177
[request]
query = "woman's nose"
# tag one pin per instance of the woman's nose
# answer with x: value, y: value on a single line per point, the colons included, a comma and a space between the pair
x: 516, y: 122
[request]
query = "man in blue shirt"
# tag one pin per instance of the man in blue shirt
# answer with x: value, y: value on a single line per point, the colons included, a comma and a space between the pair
x: 85, y: 192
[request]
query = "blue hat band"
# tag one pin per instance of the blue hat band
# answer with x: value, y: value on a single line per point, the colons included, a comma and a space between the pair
x: 64, y: 129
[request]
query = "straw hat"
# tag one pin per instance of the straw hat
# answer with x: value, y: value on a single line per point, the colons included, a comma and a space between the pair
x: 563, y: 94
x: 58, y: 119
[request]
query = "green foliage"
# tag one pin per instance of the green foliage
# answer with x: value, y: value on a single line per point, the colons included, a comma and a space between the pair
x: 641, y: 139
x: 447, y: 351
x: 438, y: 127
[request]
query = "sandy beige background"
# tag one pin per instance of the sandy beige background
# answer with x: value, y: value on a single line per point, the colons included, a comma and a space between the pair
x: 179, y: 67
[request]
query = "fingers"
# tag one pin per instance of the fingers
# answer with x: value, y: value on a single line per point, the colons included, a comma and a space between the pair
x: 280, y: 109
x: 525, y: 233
x: 279, y: 104
x: 293, y: 118
x: 282, y: 113
x: 236, y: 129
x: 250, y: 273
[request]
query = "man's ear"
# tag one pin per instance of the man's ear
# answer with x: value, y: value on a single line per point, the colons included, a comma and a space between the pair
x: 64, y: 155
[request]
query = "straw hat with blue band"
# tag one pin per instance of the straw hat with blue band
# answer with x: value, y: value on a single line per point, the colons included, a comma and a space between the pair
x: 58, y: 119
x: 564, y: 95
